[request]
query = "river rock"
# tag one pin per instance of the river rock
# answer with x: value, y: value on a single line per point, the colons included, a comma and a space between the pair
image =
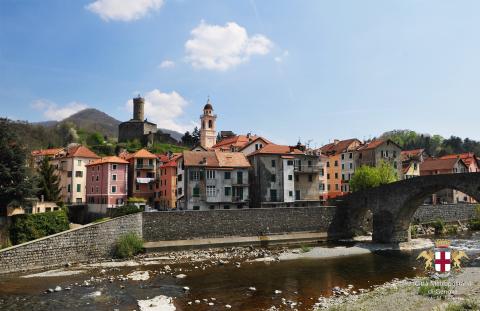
x: 277, y: 291
x: 251, y: 288
x: 186, y: 288
x: 181, y: 276
x: 228, y: 306
x: 58, y: 289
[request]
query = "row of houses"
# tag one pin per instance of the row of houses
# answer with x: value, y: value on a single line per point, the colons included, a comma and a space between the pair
x: 237, y: 172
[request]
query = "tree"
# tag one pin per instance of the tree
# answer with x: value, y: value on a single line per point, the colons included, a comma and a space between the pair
x: 368, y: 177
x: 49, y: 183
x: 187, y: 139
x: 365, y: 177
x: 15, y: 182
x: 196, y: 136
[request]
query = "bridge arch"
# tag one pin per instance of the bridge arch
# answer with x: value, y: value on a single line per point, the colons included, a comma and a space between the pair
x: 393, y: 205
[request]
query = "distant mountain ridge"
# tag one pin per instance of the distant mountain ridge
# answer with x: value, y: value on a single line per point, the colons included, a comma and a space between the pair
x: 94, y: 120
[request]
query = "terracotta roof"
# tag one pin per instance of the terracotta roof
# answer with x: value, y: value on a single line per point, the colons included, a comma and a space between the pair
x: 407, y: 154
x: 81, y: 152
x: 172, y: 161
x: 277, y: 149
x: 376, y: 143
x: 236, y: 141
x: 112, y: 159
x: 255, y: 140
x: 439, y: 164
x: 338, y: 147
x: 215, y: 159
x: 142, y: 153
x: 468, y: 157
x: 46, y: 152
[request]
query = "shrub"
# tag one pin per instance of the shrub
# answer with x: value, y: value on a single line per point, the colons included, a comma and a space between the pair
x: 305, y: 248
x: 439, y: 226
x: 29, y: 227
x: 126, y: 210
x: 452, y: 229
x: 474, y: 224
x: 465, y: 305
x: 128, y: 245
x: 434, y: 291
x: 413, y: 231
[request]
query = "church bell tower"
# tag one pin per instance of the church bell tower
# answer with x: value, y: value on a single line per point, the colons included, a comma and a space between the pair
x: 208, y: 135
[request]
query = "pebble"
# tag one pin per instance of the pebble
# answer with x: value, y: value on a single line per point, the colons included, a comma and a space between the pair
x: 181, y: 276
x: 58, y: 289
x: 186, y: 288
x: 228, y: 306
x: 252, y: 289
x: 197, y: 301
x: 277, y: 291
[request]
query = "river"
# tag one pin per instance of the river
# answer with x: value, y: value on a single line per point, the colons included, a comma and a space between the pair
x: 301, y: 282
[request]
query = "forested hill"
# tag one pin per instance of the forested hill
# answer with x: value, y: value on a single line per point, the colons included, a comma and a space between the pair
x: 434, y: 145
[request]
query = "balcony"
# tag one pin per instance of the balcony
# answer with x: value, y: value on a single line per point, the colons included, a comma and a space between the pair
x: 238, y: 199
x: 312, y: 169
x: 144, y: 166
x: 242, y: 183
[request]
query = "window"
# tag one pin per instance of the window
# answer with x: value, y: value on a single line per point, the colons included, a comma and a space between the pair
x: 290, y: 162
x: 211, y: 207
x: 351, y: 165
x: 195, y: 175
x: 210, y: 174
x: 227, y: 175
x: 114, y: 189
x: 395, y: 165
x: 196, y: 192
x: 273, y: 195
x: 290, y: 193
x: 336, y: 175
x: 336, y: 187
x: 322, y: 172
x: 69, y: 174
x: 96, y: 178
x: 273, y: 178
x: 69, y: 188
x: 394, y: 154
x: 336, y: 162
x: 79, y: 187
x: 328, y: 187
x: 343, y: 166
x: 309, y: 163
x: 297, y: 194
x: 137, y: 186
x: 179, y: 177
x: 350, y: 155
x: 179, y: 191
x: 79, y: 162
x: 328, y: 163
x: 114, y: 177
x: 273, y: 163
x: 328, y: 176
x: 96, y: 189
x: 211, y: 191
x: 196, y: 208
x: 114, y: 166
x: 228, y: 191
x: 92, y: 177
x: 92, y: 190
x: 343, y: 156
x: 322, y: 187
x: 290, y: 177
x: 239, y: 178
x: 297, y: 178
x: 310, y: 177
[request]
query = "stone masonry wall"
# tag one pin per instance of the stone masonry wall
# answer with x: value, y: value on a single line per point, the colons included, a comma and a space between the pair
x: 182, y: 225
x: 95, y: 241
x: 447, y: 213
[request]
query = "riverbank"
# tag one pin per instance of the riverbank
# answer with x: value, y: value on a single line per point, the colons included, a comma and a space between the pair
x: 458, y: 292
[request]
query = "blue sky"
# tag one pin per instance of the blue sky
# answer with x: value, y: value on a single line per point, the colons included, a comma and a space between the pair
x: 317, y: 70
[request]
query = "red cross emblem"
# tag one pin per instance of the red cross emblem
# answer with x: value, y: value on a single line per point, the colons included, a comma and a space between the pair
x: 442, y: 261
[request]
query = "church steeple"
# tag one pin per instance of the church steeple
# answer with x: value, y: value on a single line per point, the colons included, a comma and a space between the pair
x: 208, y: 135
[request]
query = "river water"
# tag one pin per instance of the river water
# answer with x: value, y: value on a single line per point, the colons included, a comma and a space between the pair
x: 300, y: 281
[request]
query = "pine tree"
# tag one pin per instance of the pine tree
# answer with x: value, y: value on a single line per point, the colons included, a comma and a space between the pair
x: 196, y: 136
x: 49, y: 183
x: 15, y: 182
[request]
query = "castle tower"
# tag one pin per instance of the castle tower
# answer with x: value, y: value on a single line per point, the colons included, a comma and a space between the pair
x: 208, y: 135
x: 138, y: 108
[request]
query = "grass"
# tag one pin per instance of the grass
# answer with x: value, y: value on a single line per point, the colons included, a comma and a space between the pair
x: 434, y: 291
x: 474, y: 224
x: 451, y: 229
x: 464, y: 305
x: 128, y: 245
x: 100, y: 220
x: 439, y: 226
x: 305, y: 248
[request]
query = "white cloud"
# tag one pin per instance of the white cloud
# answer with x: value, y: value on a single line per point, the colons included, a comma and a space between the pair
x: 123, y: 10
x: 164, y: 109
x: 281, y: 58
x: 51, y: 111
x: 220, y: 48
x: 167, y: 64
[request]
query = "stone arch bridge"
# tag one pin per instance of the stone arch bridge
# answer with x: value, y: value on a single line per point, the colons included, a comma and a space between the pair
x: 393, y: 205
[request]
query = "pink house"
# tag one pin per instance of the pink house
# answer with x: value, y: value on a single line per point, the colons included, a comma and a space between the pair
x: 107, y: 180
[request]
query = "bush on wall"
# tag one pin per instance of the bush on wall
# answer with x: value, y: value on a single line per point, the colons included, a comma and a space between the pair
x: 29, y: 227
x: 128, y: 245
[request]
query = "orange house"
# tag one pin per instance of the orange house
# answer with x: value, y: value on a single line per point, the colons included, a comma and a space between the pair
x: 166, y: 187
x: 142, y: 174
x: 338, y: 154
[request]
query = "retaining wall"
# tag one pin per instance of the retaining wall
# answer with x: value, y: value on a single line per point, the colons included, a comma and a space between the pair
x: 91, y: 242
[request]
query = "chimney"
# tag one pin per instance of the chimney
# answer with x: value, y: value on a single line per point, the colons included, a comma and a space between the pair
x: 138, y: 108
x: 336, y: 141
x: 42, y: 198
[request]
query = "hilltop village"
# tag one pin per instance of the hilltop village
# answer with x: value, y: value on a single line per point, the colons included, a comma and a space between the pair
x: 228, y: 171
